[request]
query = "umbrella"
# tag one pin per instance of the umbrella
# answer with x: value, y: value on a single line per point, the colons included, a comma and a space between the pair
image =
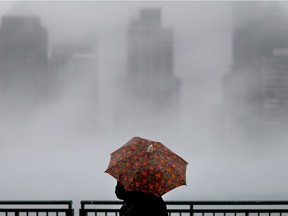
x: 147, y: 166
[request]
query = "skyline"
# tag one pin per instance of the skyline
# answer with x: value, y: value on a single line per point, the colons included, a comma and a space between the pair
x: 63, y: 143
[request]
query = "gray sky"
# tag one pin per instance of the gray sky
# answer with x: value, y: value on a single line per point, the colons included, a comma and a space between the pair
x: 60, y: 150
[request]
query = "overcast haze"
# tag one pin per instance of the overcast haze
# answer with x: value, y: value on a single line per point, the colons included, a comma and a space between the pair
x: 60, y: 148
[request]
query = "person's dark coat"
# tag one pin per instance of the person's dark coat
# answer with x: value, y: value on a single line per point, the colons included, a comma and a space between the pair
x: 139, y: 203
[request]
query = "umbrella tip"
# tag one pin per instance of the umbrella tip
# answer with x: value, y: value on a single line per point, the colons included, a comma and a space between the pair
x: 150, y: 149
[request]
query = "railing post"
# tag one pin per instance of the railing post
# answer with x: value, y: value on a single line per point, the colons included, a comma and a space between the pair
x: 70, y: 212
x: 191, y: 210
x: 81, y: 212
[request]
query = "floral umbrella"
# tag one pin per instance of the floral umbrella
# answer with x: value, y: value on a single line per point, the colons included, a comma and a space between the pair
x: 147, y: 166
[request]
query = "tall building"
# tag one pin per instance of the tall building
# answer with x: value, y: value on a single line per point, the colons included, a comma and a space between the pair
x: 71, y: 63
x: 23, y: 52
x: 74, y: 68
x: 275, y: 92
x: 255, y: 88
x: 150, y: 60
x: 151, y: 92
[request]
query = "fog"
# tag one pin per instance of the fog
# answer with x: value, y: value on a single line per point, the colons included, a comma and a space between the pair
x: 58, y: 145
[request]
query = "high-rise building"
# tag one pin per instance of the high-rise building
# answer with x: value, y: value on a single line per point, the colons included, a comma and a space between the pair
x: 151, y: 91
x: 23, y: 52
x: 275, y: 91
x: 73, y: 62
x: 150, y: 60
x: 258, y: 29
x: 255, y: 88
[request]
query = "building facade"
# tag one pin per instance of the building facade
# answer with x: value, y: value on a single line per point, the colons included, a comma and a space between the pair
x: 255, y: 87
x: 149, y: 97
x: 23, y: 54
x: 150, y: 60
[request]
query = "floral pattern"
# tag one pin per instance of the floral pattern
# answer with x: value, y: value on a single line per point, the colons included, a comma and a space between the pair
x: 138, y: 170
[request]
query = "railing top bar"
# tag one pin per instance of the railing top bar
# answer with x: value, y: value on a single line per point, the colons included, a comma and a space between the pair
x: 100, y: 202
x: 232, y: 211
x: 101, y: 210
x: 34, y: 202
x: 252, y: 202
x: 32, y: 210
x: 240, y: 202
x: 238, y: 210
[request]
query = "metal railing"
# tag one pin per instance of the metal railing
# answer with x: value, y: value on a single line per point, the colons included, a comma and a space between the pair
x: 175, y: 208
x: 196, y: 208
x: 36, y: 208
x: 99, y: 207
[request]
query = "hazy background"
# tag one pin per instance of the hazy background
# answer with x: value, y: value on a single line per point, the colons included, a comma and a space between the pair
x: 61, y: 148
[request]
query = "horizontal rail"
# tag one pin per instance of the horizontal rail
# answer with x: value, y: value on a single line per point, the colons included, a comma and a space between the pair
x: 106, y: 202
x: 194, y: 207
x: 32, y: 210
x: 204, y: 210
x: 266, y: 202
x: 68, y: 203
x: 94, y: 202
x: 49, y: 208
x: 239, y: 210
x: 281, y: 202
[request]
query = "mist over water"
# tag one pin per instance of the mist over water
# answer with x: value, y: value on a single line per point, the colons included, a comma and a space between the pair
x: 59, y: 147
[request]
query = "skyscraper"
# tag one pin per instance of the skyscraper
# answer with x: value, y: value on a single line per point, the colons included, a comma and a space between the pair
x: 23, y: 51
x: 259, y: 70
x: 150, y: 96
x: 150, y: 60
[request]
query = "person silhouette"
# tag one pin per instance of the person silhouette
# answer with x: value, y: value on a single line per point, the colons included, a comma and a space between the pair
x: 138, y: 203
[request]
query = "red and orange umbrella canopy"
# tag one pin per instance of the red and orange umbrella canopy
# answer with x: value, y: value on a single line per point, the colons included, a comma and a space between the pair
x: 147, y: 166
